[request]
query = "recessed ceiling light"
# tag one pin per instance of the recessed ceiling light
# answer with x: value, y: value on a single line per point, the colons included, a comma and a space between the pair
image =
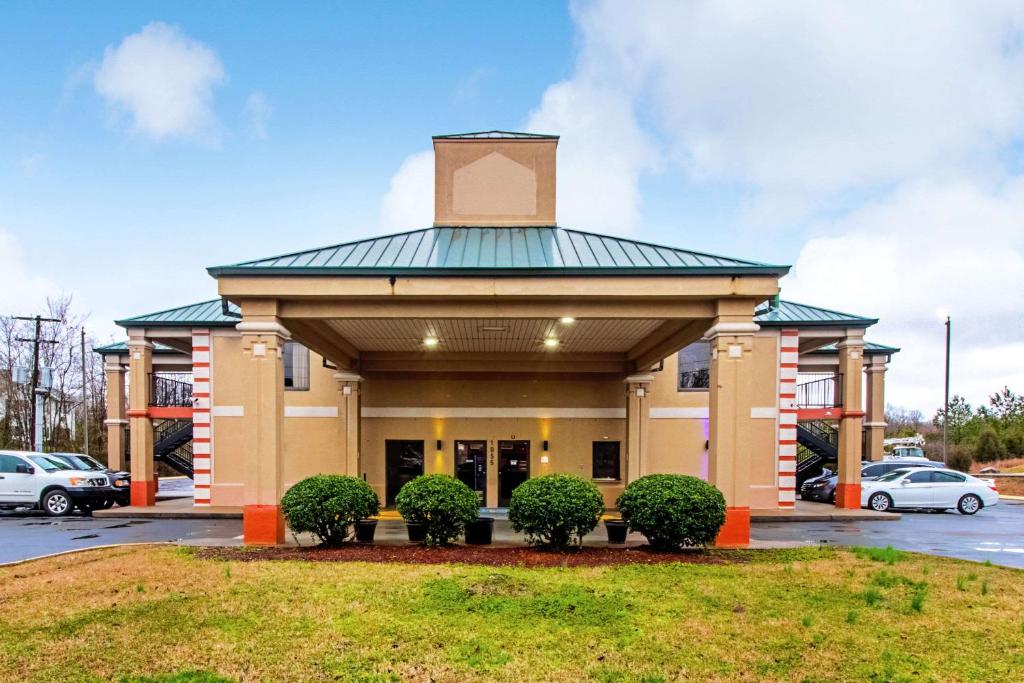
x: 568, y: 320
x: 551, y: 342
x: 430, y: 341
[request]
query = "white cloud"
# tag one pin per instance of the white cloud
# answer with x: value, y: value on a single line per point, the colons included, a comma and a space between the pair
x: 23, y: 292
x: 163, y: 80
x: 257, y: 112
x: 930, y: 247
x: 409, y: 203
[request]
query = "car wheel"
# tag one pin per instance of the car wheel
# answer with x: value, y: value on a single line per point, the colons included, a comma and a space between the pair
x: 880, y: 502
x: 832, y: 498
x: 969, y: 504
x: 57, y: 503
x: 106, y: 504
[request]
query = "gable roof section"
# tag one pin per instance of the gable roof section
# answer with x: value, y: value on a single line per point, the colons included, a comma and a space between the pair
x: 497, y: 251
x: 495, y: 135
x: 207, y: 313
x: 122, y: 347
x: 870, y: 349
x: 791, y: 313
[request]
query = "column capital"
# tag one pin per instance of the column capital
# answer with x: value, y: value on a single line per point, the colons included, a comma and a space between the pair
x: 114, y: 367
x: 263, y: 328
x: 875, y: 368
x: 347, y: 377
x: 639, y: 379
x: 139, y: 343
x: 115, y: 423
x: 732, y: 329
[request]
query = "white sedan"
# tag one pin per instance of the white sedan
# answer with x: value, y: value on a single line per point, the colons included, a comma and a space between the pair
x: 928, y: 487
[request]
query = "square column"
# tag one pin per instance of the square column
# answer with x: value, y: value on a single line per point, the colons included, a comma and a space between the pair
x: 350, y: 407
x: 637, y: 425
x: 874, y: 424
x: 262, y: 424
x: 140, y: 365
x: 116, y: 421
x: 730, y: 428
x: 851, y: 367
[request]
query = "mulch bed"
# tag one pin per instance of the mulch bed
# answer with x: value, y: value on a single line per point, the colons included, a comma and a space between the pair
x: 494, y: 556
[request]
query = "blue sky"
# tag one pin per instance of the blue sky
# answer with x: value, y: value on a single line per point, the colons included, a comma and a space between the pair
x: 878, y: 149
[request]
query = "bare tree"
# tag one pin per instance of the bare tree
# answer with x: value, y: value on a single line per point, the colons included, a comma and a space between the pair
x: 64, y: 408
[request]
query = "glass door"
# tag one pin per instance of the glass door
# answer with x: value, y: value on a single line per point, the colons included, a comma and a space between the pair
x: 471, y: 467
x: 513, y: 468
x: 403, y: 461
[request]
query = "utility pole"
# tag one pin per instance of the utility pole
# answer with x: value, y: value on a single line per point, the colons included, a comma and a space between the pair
x: 85, y: 400
x: 38, y: 393
x: 945, y: 410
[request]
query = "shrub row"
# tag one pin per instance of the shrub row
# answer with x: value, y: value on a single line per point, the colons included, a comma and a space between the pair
x: 555, y: 510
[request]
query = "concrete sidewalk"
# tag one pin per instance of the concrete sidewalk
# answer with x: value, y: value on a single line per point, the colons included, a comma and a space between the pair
x: 182, y: 508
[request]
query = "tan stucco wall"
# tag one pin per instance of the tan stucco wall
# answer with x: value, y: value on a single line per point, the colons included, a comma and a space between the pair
x: 316, y: 444
x: 494, y: 182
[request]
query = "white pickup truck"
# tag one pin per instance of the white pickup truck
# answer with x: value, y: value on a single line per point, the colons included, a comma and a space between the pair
x: 32, y: 480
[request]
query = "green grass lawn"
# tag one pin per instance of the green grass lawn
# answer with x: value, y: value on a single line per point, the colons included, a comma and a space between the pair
x: 164, y: 614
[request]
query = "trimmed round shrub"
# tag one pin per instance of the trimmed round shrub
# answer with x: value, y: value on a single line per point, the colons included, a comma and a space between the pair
x: 327, y: 505
x: 555, y: 510
x: 441, y: 503
x: 673, y: 510
x: 959, y: 459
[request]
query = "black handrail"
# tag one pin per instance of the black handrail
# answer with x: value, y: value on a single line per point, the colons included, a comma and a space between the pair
x: 824, y: 392
x: 171, y: 390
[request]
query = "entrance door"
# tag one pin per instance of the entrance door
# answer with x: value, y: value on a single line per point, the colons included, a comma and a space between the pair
x: 471, y: 467
x: 513, y: 468
x: 403, y: 460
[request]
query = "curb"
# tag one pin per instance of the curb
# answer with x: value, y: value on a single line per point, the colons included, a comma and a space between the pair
x: 83, y: 550
x: 767, y: 519
x: 160, y: 514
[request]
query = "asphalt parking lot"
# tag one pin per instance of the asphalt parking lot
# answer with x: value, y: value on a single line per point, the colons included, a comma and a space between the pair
x: 995, y: 534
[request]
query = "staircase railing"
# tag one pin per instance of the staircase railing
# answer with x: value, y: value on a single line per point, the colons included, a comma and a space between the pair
x: 171, y: 390
x: 823, y: 392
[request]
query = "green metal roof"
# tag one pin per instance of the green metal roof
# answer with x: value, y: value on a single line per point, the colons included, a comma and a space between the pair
x: 203, y: 313
x: 497, y: 251
x: 495, y: 135
x: 122, y: 347
x: 870, y: 349
x: 791, y: 313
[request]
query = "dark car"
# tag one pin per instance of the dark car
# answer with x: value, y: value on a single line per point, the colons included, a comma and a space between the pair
x: 120, y: 481
x: 822, y: 489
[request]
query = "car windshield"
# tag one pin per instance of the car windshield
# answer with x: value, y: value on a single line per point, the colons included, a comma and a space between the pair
x: 48, y: 464
x: 895, y: 474
x: 79, y: 462
x: 93, y: 463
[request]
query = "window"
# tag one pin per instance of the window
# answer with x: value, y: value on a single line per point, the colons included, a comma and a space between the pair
x: 606, y: 460
x: 695, y: 367
x: 947, y: 478
x: 920, y: 477
x: 296, y: 366
x: 9, y: 463
x: 873, y: 471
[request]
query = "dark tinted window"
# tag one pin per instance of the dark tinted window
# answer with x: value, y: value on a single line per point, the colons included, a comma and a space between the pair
x: 920, y: 477
x: 606, y: 460
x: 296, y: 366
x: 8, y: 463
x: 695, y: 366
x: 874, y: 471
x: 947, y: 477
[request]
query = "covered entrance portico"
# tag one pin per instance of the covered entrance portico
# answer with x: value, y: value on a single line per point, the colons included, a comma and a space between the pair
x: 548, y: 357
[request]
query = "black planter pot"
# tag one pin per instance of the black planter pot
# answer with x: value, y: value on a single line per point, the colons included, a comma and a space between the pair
x: 480, y: 531
x: 365, y: 529
x: 616, y: 530
x: 417, y: 532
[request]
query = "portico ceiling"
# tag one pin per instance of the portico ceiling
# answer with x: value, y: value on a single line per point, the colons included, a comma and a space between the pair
x: 500, y: 335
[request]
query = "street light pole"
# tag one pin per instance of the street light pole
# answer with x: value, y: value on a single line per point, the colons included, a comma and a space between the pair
x: 945, y: 410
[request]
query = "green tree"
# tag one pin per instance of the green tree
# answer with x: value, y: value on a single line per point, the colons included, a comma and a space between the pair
x: 989, y: 446
x: 960, y: 415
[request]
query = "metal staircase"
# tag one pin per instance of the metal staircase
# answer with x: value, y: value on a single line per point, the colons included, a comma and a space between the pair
x: 820, y: 441
x: 172, y: 445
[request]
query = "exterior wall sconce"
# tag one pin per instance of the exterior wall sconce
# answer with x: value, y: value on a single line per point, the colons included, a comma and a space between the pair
x: 545, y: 446
x: 440, y: 445
x: 544, y: 459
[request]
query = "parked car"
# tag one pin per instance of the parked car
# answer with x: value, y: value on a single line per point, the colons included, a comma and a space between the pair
x: 823, y: 489
x: 34, y: 480
x: 928, y: 488
x: 120, y: 481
